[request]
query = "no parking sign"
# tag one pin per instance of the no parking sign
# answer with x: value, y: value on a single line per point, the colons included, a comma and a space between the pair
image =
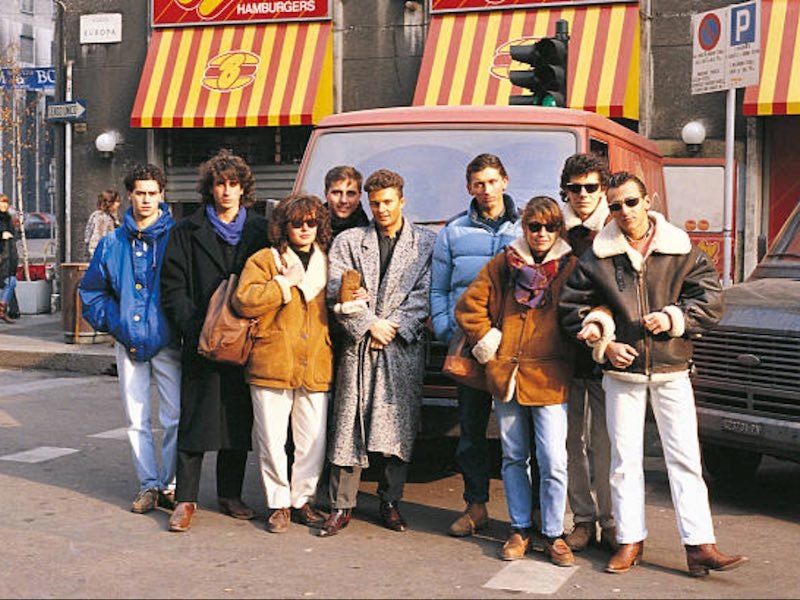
x: 726, y: 47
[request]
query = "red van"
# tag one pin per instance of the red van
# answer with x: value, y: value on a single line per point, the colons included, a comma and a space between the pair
x: 431, y: 147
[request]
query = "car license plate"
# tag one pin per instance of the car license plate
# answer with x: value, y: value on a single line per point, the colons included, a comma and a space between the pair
x: 736, y: 426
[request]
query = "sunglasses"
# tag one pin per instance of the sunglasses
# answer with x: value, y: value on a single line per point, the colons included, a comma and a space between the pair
x: 629, y: 202
x: 298, y: 223
x: 536, y: 227
x: 575, y: 188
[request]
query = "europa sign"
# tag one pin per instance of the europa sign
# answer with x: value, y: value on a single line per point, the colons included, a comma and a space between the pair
x: 177, y: 13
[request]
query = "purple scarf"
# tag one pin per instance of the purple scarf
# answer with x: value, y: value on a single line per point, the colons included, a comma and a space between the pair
x: 532, y: 282
x: 231, y: 232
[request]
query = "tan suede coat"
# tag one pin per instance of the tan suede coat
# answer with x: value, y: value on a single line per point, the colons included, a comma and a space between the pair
x: 293, y: 346
x: 534, y: 357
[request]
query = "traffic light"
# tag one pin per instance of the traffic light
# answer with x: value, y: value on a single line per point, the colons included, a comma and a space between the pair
x: 547, y: 76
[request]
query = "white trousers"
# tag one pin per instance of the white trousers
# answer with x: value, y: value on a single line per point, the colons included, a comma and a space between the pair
x: 272, y: 411
x: 674, y: 410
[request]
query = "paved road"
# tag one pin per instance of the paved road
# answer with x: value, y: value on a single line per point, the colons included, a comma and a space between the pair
x: 66, y: 483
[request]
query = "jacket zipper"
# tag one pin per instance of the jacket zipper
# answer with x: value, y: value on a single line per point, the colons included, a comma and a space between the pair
x: 641, y: 296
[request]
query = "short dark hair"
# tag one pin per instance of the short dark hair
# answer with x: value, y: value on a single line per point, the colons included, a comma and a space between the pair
x: 146, y: 172
x: 341, y: 173
x: 620, y: 178
x: 226, y: 165
x: 485, y: 161
x: 546, y: 208
x: 583, y: 164
x: 299, y: 206
x: 383, y: 179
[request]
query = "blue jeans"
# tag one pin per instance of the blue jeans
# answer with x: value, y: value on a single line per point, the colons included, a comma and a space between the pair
x: 550, y: 432
x: 134, y: 387
x: 472, y: 453
x: 8, y: 289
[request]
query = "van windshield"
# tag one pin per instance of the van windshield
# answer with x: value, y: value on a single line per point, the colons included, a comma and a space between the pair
x: 433, y: 163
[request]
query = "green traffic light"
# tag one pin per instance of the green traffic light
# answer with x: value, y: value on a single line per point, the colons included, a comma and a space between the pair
x: 548, y: 100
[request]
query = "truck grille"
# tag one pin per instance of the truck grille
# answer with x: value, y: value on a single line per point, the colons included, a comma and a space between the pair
x: 751, y: 372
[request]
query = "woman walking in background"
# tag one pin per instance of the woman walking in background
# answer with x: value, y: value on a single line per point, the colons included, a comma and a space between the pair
x: 8, y: 259
x: 102, y: 221
x: 291, y: 366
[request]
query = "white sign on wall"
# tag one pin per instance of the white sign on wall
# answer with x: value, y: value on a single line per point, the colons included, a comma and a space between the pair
x: 726, y: 46
x: 101, y: 28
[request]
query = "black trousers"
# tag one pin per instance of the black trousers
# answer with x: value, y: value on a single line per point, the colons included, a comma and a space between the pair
x: 230, y: 474
x: 345, y: 480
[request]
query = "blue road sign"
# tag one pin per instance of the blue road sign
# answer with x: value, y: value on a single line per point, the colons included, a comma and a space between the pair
x: 61, y: 112
x: 743, y: 24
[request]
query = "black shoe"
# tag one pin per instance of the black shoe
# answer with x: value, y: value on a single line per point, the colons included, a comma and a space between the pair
x: 306, y: 515
x: 391, y: 517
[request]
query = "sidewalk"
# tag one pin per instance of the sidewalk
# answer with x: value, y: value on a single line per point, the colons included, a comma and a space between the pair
x: 38, y: 342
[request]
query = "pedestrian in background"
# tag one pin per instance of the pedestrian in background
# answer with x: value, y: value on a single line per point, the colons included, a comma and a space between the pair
x: 463, y: 246
x: 510, y: 315
x: 291, y: 365
x: 102, y: 221
x: 635, y: 299
x: 583, y: 183
x: 8, y: 259
x: 121, y: 294
x: 216, y: 410
x: 382, y: 361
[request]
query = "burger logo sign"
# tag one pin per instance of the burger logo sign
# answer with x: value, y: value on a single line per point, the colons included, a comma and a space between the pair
x: 230, y: 71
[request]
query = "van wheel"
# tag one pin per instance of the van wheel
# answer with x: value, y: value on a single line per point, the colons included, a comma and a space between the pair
x: 728, y: 464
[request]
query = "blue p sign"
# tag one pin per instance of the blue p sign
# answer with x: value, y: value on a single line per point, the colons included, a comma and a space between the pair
x: 743, y: 24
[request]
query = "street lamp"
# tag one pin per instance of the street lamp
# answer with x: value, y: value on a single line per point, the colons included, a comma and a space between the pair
x: 105, y: 143
x: 693, y: 135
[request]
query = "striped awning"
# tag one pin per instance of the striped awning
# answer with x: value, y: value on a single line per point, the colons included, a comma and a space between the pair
x: 466, y: 58
x: 778, y: 90
x: 236, y: 76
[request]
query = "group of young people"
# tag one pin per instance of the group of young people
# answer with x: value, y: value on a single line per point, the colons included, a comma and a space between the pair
x: 581, y: 313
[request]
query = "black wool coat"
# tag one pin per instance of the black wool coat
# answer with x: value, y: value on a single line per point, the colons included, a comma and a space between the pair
x: 216, y: 411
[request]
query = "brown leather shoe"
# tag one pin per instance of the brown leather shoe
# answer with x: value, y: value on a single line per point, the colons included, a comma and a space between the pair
x: 626, y: 557
x: 608, y: 539
x: 278, y: 521
x: 391, y: 517
x: 516, y: 546
x: 706, y: 556
x: 181, y: 518
x: 234, y: 507
x: 145, y: 501
x: 559, y: 552
x: 581, y: 536
x: 339, y: 519
x: 306, y: 515
x: 474, y: 518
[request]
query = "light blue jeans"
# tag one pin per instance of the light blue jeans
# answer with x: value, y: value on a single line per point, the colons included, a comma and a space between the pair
x: 134, y: 386
x: 8, y: 290
x: 550, y: 430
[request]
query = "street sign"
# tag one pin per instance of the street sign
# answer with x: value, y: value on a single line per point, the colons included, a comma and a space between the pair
x: 73, y: 110
x: 726, y: 48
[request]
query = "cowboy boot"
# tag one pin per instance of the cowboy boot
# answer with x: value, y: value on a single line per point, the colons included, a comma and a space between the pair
x: 703, y: 557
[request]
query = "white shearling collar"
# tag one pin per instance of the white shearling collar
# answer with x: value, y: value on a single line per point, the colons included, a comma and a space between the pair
x: 559, y: 249
x: 595, y: 222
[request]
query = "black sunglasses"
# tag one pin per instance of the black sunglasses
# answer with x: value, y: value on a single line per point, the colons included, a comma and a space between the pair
x: 536, y: 227
x: 298, y: 223
x: 629, y: 202
x: 575, y: 188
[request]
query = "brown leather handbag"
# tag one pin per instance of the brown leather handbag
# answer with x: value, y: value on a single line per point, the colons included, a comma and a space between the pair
x: 226, y: 337
x: 461, y: 366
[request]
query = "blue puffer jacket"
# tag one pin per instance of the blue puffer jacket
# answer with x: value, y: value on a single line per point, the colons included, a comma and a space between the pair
x: 120, y: 291
x: 462, y: 247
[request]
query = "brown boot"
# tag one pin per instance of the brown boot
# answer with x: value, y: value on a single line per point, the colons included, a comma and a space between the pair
x: 4, y: 313
x: 581, y: 536
x: 703, y: 557
x: 474, y: 518
x: 181, y: 518
x: 626, y: 557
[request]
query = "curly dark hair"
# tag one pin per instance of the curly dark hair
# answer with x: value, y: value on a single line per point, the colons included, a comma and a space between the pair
x: 583, y: 164
x: 299, y: 206
x: 546, y: 209
x: 225, y: 165
x: 144, y: 173
x: 107, y: 198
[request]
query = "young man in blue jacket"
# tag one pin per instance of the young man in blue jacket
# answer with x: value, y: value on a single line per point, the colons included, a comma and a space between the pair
x: 120, y: 294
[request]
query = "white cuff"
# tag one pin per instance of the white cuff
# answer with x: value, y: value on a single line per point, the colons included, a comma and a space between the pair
x: 607, y: 333
x: 286, y: 288
x: 487, y: 347
x: 677, y: 320
x: 350, y: 307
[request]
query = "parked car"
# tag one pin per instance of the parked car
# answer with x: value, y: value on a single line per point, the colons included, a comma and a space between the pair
x: 431, y: 147
x: 747, y: 378
x: 40, y: 225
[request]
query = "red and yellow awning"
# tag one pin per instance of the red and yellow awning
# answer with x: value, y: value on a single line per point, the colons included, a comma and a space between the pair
x: 778, y: 90
x: 236, y: 76
x: 466, y: 58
